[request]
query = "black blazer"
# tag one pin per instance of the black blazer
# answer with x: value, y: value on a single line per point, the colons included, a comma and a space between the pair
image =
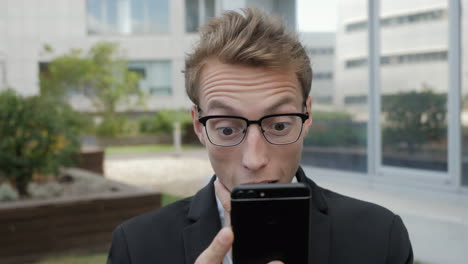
x: 343, y: 231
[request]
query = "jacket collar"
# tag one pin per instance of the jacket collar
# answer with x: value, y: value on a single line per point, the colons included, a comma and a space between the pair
x: 203, y: 214
x: 205, y: 222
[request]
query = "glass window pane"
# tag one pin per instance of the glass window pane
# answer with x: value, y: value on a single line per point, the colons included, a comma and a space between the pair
x: 155, y: 76
x: 338, y: 136
x: 414, y: 85
x: 209, y: 9
x: 191, y: 15
x: 128, y: 16
x: 94, y: 13
x: 138, y: 15
x: 158, y: 13
x: 464, y: 83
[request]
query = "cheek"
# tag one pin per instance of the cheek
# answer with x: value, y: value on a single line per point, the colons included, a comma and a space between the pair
x: 224, y: 162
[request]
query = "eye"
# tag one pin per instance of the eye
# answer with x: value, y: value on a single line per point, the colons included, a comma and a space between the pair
x: 280, y: 126
x: 226, y: 131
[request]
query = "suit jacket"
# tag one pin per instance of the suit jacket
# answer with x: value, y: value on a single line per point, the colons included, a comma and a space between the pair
x: 343, y: 231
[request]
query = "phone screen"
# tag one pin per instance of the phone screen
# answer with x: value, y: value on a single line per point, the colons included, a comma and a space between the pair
x: 270, y: 222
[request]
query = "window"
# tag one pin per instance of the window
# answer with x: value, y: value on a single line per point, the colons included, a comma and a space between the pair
x: 410, y: 58
x: 464, y: 86
x: 320, y: 51
x: 197, y: 12
x: 155, y: 76
x: 323, y: 76
x: 419, y: 17
x: 337, y: 139
x: 127, y: 17
x: 414, y: 88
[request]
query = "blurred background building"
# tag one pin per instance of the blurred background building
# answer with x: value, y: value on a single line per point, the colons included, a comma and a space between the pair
x: 156, y: 35
x: 398, y: 131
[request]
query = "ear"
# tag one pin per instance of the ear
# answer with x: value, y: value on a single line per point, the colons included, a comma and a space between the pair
x: 308, y: 122
x: 197, y: 126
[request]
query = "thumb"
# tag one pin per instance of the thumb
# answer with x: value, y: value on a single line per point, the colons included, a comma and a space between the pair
x: 218, y: 249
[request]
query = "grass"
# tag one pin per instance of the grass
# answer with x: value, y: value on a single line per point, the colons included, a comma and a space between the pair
x: 97, y: 258
x: 76, y: 259
x: 145, y: 149
x: 168, y: 199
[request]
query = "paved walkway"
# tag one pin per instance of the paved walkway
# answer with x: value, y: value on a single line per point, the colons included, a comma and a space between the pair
x: 181, y: 174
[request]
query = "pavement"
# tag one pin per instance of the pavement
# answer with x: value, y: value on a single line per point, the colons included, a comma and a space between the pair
x: 181, y: 174
x: 437, y: 223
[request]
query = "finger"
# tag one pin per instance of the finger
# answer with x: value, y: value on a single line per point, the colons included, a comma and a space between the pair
x: 218, y: 249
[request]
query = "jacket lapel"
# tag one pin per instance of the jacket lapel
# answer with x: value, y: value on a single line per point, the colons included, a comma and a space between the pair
x: 203, y: 213
x: 320, y: 227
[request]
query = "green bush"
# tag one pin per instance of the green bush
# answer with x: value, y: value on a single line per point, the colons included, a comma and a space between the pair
x: 335, y: 129
x: 414, y: 118
x: 163, y: 121
x: 111, y: 126
x: 38, y: 135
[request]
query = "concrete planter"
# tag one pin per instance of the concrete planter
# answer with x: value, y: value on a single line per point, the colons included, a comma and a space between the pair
x: 30, y: 230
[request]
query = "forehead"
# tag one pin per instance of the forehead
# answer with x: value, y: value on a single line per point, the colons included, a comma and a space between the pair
x: 221, y: 84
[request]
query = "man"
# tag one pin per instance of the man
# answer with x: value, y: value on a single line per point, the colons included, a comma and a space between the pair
x: 246, y: 68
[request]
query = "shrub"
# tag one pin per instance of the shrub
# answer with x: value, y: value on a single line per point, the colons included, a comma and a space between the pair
x: 335, y: 129
x: 111, y: 126
x: 38, y: 135
x: 414, y: 118
x: 8, y: 193
x: 163, y: 121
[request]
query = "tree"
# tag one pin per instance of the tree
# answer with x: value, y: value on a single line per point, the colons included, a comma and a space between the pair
x: 101, y: 75
x: 414, y: 118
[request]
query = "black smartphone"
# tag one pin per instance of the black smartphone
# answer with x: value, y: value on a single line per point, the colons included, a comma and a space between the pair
x: 270, y: 222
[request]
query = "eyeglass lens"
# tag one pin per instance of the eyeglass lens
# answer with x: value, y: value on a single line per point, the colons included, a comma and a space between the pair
x: 231, y: 131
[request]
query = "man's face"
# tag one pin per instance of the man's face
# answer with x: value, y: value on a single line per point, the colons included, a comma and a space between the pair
x: 250, y: 92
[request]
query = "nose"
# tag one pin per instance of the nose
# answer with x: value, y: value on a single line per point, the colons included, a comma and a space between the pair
x: 255, y: 149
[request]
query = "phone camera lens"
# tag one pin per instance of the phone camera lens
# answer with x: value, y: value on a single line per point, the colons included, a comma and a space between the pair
x: 251, y: 194
x: 262, y: 194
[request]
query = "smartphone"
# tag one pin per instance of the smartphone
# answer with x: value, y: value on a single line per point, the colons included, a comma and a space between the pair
x: 270, y: 222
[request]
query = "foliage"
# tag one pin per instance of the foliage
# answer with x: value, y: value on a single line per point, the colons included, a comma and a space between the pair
x: 111, y: 126
x: 169, y: 198
x: 414, y: 118
x: 94, y: 258
x: 101, y: 75
x: 163, y: 121
x: 38, y: 134
x: 330, y: 129
x: 8, y: 193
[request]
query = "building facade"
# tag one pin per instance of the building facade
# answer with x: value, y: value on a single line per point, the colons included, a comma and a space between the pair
x: 155, y: 34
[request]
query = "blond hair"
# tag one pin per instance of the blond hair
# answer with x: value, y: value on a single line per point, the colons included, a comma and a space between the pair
x: 252, y: 39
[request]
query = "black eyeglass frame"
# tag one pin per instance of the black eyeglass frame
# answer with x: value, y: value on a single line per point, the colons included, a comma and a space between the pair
x: 205, y: 119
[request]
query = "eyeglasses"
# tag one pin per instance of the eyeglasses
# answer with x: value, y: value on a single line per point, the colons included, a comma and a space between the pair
x: 279, y: 129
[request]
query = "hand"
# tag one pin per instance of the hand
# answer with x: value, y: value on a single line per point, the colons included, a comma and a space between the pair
x: 218, y: 249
